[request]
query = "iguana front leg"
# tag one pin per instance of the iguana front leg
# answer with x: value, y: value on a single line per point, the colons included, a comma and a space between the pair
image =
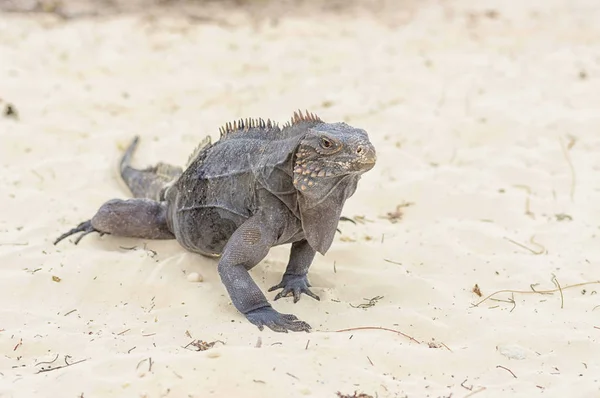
x: 295, y: 280
x: 248, y: 245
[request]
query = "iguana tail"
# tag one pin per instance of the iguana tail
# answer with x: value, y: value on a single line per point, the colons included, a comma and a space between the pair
x: 150, y: 182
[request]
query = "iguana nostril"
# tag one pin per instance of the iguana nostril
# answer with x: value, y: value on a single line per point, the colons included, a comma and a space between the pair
x: 359, y: 149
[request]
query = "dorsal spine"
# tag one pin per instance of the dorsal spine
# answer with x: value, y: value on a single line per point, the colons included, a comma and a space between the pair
x: 244, y: 125
x: 300, y: 118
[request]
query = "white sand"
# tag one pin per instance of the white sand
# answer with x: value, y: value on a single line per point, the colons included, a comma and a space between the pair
x: 467, y: 110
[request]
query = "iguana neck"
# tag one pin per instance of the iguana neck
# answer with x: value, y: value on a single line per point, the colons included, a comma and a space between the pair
x: 320, y: 214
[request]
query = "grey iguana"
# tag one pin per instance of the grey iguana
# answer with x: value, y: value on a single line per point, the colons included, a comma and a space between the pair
x: 257, y: 187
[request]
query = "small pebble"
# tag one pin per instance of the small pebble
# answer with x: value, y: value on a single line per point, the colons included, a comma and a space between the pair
x: 512, y: 351
x: 194, y: 277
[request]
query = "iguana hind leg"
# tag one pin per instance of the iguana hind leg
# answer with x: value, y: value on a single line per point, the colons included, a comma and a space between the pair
x: 135, y: 218
x: 149, y: 182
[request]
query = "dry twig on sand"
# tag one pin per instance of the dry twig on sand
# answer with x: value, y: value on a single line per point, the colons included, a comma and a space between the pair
x: 355, y: 395
x: 533, y: 291
x: 397, y: 215
x: 507, y: 369
x: 370, y: 302
x: 51, y: 368
x: 537, y: 253
x: 202, y: 345
x: 379, y: 328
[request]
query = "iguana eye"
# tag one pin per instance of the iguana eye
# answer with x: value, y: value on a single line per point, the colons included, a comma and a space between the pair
x: 325, y: 143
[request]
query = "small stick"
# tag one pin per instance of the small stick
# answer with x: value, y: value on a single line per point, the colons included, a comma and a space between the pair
x: 475, y: 392
x: 390, y: 261
x: 524, y: 247
x: 123, y: 332
x: 536, y: 291
x: 307, y: 343
x: 532, y: 288
x: 47, y: 362
x: 527, y: 208
x: 131, y: 349
x: 446, y: 347
x: 371, y: 362
x: 596, y: 327
x: 19, y: 344
x: 291, y: 375
x: 533, y: 242
x: 511, y: 300
x: 378, y: 328
x: 465, y: 387
x: 139, y: 363
x: 507, y: 369
x: 70, y: 312
x: 60, y: 367
x: 562, y: 299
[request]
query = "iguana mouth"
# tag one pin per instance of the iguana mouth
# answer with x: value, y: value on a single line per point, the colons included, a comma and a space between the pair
x: 367, y: 164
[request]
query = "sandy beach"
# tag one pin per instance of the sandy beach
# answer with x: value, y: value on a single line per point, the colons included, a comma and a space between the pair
x: 485, y: 117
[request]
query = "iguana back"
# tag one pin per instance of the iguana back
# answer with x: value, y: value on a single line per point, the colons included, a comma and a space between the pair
x: 251, y: 154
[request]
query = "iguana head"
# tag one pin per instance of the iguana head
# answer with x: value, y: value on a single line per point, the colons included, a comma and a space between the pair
x: 330, y: 151
x: 328, y: 164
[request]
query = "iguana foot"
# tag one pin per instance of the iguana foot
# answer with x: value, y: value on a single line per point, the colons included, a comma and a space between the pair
x: 275, y: 321
x: 85, y: 227
x: 295, y: 284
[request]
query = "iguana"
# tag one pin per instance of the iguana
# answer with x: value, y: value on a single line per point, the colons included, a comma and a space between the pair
x: 258, y: 186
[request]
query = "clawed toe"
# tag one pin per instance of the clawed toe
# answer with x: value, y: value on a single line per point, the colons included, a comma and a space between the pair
x: 275, y: 321
x: 294, y: 285
x: 85, y: 227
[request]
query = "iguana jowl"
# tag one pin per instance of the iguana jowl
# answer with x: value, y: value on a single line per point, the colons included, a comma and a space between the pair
x: 258, y: 186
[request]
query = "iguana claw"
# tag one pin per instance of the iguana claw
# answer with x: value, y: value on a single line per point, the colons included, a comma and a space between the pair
x: 85, y: 227
x: 295, y: 284
x: 275, y: 321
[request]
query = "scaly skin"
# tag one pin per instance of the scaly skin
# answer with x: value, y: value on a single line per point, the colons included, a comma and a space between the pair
x: 259, y: 186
